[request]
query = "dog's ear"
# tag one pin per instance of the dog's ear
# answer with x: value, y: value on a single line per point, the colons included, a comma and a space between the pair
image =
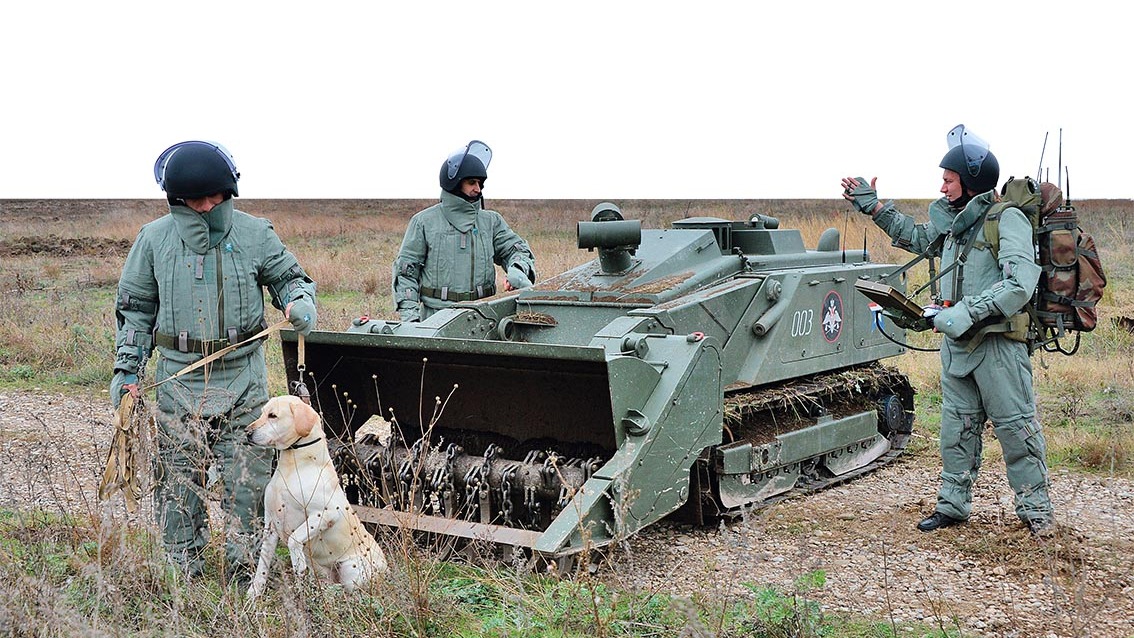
x: 304, y: 416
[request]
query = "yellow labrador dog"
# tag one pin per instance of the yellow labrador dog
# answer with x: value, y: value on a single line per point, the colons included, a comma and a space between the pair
x: 305, y: 505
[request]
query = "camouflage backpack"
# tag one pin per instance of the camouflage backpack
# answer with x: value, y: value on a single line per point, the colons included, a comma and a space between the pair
x: 1072, y: 280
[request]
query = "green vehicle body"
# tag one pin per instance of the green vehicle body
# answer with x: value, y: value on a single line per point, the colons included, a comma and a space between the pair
x: 574, y: 413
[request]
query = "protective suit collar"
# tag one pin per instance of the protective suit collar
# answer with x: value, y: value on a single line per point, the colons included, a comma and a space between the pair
x: 459, y: 213
x: 941, y: 215
x: 972, y: 212
x: 200, y: 232
x: 946, y: 218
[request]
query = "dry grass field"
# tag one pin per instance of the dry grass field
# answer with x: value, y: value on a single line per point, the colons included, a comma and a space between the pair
x: 61, y: 260
x: 59, y: 265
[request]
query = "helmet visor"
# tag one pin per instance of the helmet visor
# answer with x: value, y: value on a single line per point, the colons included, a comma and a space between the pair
x: 476, y: 148
x: 974, y: 148
x: 163, y: 159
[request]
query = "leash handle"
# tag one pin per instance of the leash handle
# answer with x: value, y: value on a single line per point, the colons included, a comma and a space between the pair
x: 301, y: 365
x: 298, y: 387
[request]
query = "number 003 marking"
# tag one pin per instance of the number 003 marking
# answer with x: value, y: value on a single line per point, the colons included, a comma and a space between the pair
x: 802, y: 321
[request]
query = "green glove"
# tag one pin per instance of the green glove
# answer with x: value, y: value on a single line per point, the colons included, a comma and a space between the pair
x: 517, y: 277
x: 302, y: 315
x: 865, y: 197
x: 118, y: 385
x: 953, y: 321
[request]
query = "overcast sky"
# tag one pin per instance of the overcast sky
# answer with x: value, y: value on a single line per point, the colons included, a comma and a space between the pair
x: 578, y: 99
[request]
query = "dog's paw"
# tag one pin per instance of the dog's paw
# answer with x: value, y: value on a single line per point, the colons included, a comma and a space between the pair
x: 255, y: 589
x: 298, y: 563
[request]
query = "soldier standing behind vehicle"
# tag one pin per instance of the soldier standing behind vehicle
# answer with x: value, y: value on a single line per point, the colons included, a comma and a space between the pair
x: 980, y: 379
x: 192, y: 284
x: 448, y: 251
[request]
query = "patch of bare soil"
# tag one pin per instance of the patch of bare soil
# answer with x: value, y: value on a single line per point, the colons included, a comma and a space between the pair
x: 989, y: 577
x: 57, y: 246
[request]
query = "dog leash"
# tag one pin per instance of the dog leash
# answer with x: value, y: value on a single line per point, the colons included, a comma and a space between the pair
x: 220, y: 353
x: 298, y: 387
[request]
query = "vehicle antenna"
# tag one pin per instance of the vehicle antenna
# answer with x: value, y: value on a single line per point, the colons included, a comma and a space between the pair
x: 846, y: 225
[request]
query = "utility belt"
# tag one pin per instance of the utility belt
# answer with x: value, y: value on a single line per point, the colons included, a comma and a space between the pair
x: 1016, y: 328
x: 182, y: 343
x: 444, y: 294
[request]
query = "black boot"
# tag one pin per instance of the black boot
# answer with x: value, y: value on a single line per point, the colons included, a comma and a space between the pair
x: 1042, y: 527
x: 937, y: 520
x: 237, y: 577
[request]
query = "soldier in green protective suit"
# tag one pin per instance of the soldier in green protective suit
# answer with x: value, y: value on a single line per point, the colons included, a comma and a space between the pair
x: 449, y: 249
x: 986, y: 369
x: 193, y: 283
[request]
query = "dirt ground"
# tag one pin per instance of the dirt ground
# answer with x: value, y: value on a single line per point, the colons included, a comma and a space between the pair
x: 989, y: 577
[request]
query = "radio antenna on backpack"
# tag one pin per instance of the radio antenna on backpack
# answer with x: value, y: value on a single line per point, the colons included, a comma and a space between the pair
x: 1059, y: 173
x: 1039, y: 170
x: 1067, y: 199
x: 1064, y: 175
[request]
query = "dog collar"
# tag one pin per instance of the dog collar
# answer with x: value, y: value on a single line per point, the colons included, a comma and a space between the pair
x: 297, y: 444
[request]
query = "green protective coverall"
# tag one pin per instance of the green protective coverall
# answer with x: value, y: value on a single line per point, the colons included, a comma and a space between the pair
x: 447, y: 256
x: 994, y: 380
x: 192, y: 284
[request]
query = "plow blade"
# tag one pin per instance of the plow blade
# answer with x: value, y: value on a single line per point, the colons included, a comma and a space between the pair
x: 552, y: 447
x: 517, y: 393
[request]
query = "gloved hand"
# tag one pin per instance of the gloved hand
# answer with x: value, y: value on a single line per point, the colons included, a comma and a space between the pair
x: 931, y: 311
x: 302, y: 315
x: 517, y: 278
x: 863, y: 196
x: 953, y: 321
x: 118, y: 385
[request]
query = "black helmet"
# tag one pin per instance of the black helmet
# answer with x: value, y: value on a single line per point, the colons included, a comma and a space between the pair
x: 970, y: 158
x: 196, y: 169
x: 470, y: 161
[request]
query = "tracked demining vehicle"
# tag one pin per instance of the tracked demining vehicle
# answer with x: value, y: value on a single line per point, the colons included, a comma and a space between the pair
x: 709, y: 368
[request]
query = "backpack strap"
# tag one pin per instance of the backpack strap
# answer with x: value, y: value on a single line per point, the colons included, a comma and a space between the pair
x: 992, y: 228
x: 1027, y: 196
